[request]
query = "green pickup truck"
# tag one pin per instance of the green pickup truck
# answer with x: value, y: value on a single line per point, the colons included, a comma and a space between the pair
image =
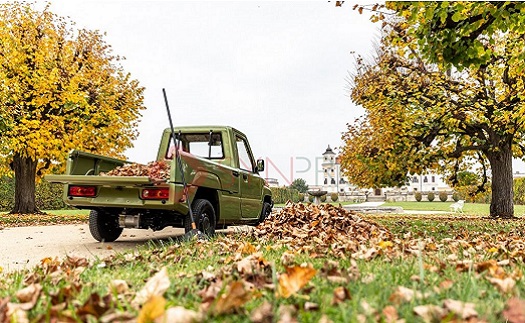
x: 223, y: 186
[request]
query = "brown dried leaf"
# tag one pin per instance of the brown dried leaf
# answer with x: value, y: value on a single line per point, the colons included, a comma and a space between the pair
x: 294, y: 279
x: 390, y: 314
x: 503, y: 285
x: 287, y: 314
x: 310, y: 306
x: 118, y: 286
x: 95, y: 305
x: 155, y: 286
x: 463, y: 310
x: 263, y: 313
x: 429, y: 313
x: 29, y: 295
x: 341, y: 294
x: 179, y: 314
x: 233, y: 298
x: 514, y: 311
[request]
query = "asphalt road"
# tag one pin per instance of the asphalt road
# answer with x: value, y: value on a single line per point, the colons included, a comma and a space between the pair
x: 24, y: 247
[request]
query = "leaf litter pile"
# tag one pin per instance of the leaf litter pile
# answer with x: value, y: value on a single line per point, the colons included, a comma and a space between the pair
x: 306, y: 263
x: 156, y: 170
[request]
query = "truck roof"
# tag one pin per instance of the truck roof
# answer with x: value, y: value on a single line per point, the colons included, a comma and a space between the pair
x: 204, y: 128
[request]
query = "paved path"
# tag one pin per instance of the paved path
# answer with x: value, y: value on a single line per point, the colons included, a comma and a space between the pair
x: 371, y: 204
x: 24, y: 247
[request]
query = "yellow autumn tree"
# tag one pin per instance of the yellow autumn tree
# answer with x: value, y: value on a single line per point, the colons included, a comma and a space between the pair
x: 60, y: 88
x: 420, y: 117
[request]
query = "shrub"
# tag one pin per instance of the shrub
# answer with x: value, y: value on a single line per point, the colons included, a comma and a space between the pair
x: 334, y: 197
x: 283, y: 194
x: 311, y: 198
x: 470, y: 194
x: 323, y: 198
x: 47, y: 196
x: 455, y: 196
x: 519, y: 191
x: 418, y: 196
x: 431, y: 196
x: 443, y: 196
x: 7, y: 193
x: 301, y: 197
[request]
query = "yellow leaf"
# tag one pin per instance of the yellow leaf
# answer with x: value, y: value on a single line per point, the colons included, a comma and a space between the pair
x: 294, y: 279
x: 233, y: 298
x: 152, y: 309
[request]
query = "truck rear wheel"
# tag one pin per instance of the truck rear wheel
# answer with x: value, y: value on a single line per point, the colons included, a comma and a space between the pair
x: 204, y: 215
x: 104, y: 227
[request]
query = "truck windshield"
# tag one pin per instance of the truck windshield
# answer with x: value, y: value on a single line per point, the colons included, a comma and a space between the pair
x: 198, y: 144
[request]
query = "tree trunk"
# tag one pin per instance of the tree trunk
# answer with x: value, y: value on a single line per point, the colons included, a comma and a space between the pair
x: 25, y: 174
x: 502, y: 204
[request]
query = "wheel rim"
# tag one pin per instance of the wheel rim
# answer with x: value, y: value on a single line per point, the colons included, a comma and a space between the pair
x: 205, y: 223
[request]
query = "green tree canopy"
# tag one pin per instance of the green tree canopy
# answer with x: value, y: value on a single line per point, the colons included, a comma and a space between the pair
x: 300, y: 185
x: 60, y: 89
x: 463, y: 33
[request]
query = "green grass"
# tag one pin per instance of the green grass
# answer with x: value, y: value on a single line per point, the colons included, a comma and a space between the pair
x: 469, y: 208
x: 192, y: 266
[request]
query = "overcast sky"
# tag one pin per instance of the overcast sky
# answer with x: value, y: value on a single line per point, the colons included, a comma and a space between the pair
x: 274, y: 70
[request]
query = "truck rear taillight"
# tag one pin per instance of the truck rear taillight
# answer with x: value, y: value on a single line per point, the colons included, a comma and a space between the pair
x: 156, y: 193
x: 82, y: 191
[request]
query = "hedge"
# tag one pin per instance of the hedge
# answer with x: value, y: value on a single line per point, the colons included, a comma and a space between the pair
x: 48, y: 196
x: 283, y: 194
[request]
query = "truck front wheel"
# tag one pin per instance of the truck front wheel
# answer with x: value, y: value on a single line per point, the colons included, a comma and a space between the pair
x: 204, y: 216
x: 265, y: 213
x: 104, y: 227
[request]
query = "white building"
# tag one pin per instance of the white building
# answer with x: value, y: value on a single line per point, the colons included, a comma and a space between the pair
x: 333, y: 181
x: 428, y: 183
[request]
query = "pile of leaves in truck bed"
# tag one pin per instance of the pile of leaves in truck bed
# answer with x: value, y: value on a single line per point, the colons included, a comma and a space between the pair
x: 157, y: 170
x: 322, y: 228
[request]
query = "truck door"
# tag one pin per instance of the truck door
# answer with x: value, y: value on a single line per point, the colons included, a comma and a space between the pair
x: 250, y: 182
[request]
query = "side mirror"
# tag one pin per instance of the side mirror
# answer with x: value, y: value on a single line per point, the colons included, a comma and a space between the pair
x: 260, y: 165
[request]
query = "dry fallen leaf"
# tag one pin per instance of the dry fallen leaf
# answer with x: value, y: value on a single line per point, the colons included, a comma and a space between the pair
x: 341, y: 294
x: 309, y: 306
x: 463, y: 310
x: 262, y: 314
x: 429, y: 313
x: 179, y: 314
x: 287, y: 314
x: 503, y: 285
x: 514, y: 311
x: 152, y: 309
x: 294, y: 279
x: 118, y: 286
x: 234, y: 296
x: 155, y: 286
x: 28, y: 296
x: 390, y: 314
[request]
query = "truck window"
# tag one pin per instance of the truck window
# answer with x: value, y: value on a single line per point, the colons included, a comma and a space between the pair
x: 198, y: 144
x: 245, y: 159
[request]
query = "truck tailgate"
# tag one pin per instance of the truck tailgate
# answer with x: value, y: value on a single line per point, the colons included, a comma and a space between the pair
x: 101, y: 180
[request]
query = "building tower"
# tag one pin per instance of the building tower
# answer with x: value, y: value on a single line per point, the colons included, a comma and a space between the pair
x: 329, y: 170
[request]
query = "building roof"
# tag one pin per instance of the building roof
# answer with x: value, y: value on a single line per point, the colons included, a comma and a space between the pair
x: 329, y: 151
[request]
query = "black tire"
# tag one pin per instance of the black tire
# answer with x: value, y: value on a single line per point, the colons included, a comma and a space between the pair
x: 204, y: 215
x: 265, y: 212
x: 104, y: 227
